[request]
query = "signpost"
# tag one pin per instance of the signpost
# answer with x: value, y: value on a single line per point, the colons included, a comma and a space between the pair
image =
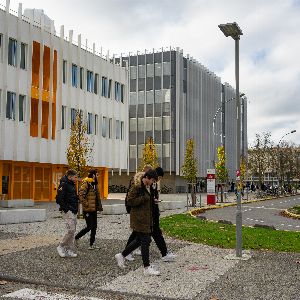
x: 211, y: 186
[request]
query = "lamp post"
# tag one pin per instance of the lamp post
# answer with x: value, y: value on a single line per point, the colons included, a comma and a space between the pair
x: 234, y: 31
x: 279, y: 156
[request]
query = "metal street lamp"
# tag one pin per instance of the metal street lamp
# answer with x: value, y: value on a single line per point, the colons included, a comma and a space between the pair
x: 234, y: 31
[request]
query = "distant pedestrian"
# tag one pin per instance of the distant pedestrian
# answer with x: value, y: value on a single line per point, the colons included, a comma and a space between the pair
x: 141, y: 221
x: 69, y: 207
x: 91, y: 203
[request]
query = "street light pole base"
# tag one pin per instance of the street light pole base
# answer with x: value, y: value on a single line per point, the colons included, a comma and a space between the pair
x: 232, y: 256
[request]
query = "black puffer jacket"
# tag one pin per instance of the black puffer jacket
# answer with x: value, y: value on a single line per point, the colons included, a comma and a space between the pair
x: 69, y: 195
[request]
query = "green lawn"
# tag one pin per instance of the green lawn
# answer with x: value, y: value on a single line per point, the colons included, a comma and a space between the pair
x: 191, y: 229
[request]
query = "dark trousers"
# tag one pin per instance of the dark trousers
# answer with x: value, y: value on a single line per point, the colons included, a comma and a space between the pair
x: 91, y: 225
x: 157, y: 237
x: 143, y: 240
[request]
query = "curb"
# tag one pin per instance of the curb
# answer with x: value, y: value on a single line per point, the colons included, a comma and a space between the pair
x: 288, y: 214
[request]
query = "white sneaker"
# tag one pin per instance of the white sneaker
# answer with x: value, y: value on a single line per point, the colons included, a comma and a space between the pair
x: 70, y: 253
x: 93, y: 247
x: 169, y: 257
x: 151, y: 271
x: 120, y: 260
x: 61, y: 251
x: 129, y: 257
x: 137, y: 252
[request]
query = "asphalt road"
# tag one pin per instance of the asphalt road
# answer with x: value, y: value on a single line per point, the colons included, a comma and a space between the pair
x: 264, y: 213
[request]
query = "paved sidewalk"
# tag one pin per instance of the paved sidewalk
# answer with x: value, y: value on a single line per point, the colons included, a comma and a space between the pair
x: 28, y: 259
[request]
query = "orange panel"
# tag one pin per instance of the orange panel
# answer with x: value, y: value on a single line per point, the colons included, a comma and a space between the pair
x: 34, y: 117
x: 35, y: 64
x: 54, y: 75
x: 46, y: 184
x: 46, y: 69
x: 34, y: 92
x: 17, y: 182
x: 45, y: 119
x: 53, y: 120
x: 38, y: 183
x: 26, y: 183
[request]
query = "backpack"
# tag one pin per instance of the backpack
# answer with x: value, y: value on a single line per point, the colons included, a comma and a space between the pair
x: 59, y: 195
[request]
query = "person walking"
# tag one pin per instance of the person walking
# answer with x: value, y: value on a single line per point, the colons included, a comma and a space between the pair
x: 68, y: 206
x: 91, y: 203
x: 141, y: 220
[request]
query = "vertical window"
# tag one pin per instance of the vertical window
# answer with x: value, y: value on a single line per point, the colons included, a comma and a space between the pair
x: 122, y: 130
x: 122, y: 93
x: 64, y: 71
x: 96, y: 124
x: 23, y: 50
x: 104, y: 126
x: 118, y: 129
x: 1, y: 46
x: 90, y: 124
x: 73, y: 116
x: 74, y: 75
x: 89, y: 81
x: 12, y: 52
x: 104, y: 91
x: 110, y: 128
x: 63, y: 117
x: 11, y: 106
x: 22, y: 103
x: 96, y: 83
x: 81, y: 77
x: 109, y: 88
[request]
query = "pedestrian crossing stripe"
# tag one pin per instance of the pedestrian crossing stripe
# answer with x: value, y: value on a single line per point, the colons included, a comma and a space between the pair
x: 29, y: 294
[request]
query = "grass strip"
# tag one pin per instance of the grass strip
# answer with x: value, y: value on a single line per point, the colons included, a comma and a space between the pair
x: 185, y: 227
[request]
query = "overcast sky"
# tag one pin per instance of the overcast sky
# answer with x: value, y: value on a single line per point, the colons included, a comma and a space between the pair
x: 269, y: 48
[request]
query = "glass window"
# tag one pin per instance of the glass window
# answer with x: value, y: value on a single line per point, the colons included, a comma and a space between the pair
x: 104, y: 126
x: 157, y: 123
x: 118, y: 129
x: 142, y: 72
x: 90, y: 124
x: 11, y: 106
x: 141, y: 122
x: 74, y: 75
x: 157, y: 68
x: 150, y: 97
x: 96, y: 83
x: 96, y: 124
x: 63, y: 117
x: 140, y: 150
x: 109, y: 88
x: 122, y: 92
x: 166, y: 150
x: 166, y: 68
x: 158, y: 150
x: 1, y: 46
x: 132, y: 151
x: 166, y: 123
x: 23, y: 50
x: 149, y: 122
x: 73, y: 116
x: 103, y: 90
x: 132, y: 124
x: 141, y: 97
x: 133, y: 98
x: 64, y: 71
x: 133, y: 72
x: 22, y: 103
x: 150, y: 70
x: 122, y: 130
x: 110, y: 128
x: 118, y: 91
x: 157, y: 98
x: 166, y: 95
x: 81, y: 77
x: 12, y: 52
x: 89, y: 81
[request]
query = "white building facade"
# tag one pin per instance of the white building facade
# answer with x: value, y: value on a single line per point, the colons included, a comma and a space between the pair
x: 44, y: 80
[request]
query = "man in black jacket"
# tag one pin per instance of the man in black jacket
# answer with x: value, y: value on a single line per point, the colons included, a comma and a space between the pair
x: 69, y: 207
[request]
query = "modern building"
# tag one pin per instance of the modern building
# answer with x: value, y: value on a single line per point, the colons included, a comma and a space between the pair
x: 173, y: 98
x: 45, y: 79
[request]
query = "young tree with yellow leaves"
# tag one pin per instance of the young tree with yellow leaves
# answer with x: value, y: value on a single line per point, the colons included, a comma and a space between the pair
x: 150, y: 156
x: 79, y: 149
x: 221, y: 171
x: 189, y: 168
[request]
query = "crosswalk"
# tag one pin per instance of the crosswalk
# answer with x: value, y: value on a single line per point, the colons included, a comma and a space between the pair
x: 29, y: 294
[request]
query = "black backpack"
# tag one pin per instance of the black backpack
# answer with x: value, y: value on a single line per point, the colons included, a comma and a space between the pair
x: 59, y: 196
